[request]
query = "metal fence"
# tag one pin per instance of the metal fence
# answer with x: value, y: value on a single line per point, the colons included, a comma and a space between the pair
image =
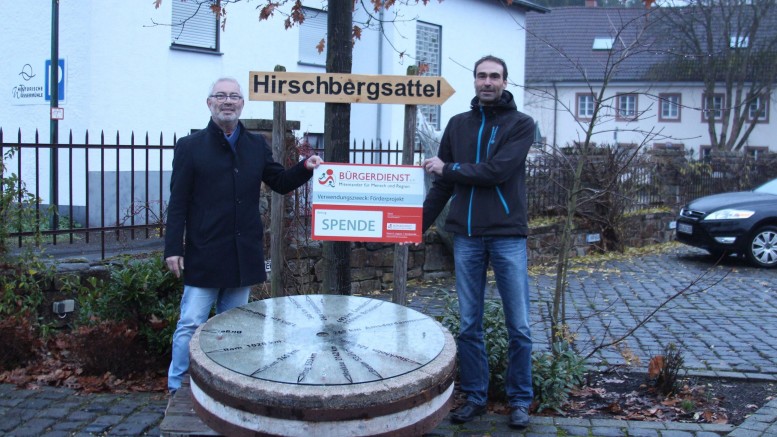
x: 99, y: 187
x: 116, y: 191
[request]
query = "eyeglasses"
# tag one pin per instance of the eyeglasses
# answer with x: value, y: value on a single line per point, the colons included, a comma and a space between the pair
x: 223, y: 97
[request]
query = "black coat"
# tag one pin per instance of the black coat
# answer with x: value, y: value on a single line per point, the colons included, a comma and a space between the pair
x: 214, y: 206
x: 484, y: 151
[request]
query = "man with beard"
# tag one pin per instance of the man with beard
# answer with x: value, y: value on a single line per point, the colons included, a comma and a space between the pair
x: 481, y: 168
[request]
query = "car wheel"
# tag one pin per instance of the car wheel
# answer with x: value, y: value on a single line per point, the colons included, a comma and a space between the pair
x: 762, y: 250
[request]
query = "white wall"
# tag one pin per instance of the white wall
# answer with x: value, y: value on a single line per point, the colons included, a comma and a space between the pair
x: 690, y: 131
x: 121, y: 75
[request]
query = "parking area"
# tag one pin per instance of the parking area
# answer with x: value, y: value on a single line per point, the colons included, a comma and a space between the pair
x: 723, y: 317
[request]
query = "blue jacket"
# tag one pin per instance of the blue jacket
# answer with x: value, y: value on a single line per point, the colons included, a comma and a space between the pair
x: 213, y: 217
x: 484, y: 151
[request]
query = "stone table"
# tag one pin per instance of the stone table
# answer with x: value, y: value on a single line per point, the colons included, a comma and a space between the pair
x: 322, y: 365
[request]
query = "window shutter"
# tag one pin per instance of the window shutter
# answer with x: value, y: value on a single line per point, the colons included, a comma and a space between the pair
x: 428, y: 49
x: 311, y: 31
x: 194, y: 25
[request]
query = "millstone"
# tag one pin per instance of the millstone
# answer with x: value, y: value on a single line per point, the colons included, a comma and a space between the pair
x: 322, y: 365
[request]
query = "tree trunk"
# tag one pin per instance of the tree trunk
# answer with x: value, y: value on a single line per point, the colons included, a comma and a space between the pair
x: 337, y: 133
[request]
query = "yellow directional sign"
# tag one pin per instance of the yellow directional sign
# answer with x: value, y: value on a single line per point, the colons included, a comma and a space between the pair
x: 281, y: 86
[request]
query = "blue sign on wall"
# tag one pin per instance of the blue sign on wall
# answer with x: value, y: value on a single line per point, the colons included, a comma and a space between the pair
x: 61, y: 83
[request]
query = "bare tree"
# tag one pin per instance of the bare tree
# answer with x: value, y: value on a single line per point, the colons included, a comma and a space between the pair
x: 337, y: 119
x: 594, y: 175
x: 730, y: 46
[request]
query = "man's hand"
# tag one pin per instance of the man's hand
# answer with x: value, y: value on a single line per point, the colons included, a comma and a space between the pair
x: 433, y: 165
x: 175, y: 264
x: 313, y: 162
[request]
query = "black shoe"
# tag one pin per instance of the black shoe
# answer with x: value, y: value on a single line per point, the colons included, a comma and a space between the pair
x: 519, y: 418
x: 467, y: 412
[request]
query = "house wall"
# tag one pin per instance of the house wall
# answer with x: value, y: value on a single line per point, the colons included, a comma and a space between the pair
x: 558, y: 125
x: 121, y: 76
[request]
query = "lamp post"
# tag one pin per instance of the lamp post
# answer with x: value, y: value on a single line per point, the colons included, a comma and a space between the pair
x: 54, y: 128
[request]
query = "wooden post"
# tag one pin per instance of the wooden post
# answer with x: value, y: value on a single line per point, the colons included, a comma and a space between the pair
x: 278, y: 201
x: 399, y: 296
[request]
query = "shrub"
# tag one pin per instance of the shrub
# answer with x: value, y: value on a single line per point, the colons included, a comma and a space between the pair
x: 18, y: 210
x: 553, y: 374
x: 108, y: 346
x: 22, y: 284
x: 664, y: 370
x: 23, y: 278
x: 19, y: 338
x: 143, y: 294
x: 496, y: 339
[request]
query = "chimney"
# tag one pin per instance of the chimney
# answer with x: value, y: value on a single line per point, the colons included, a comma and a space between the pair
x: 590, y: 3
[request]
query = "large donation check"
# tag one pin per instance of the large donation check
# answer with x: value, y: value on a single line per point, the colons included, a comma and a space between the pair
x: 358, y: 202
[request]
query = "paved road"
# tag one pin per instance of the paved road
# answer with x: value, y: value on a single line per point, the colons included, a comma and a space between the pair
x: 725, y: 324
x: 725, y: 320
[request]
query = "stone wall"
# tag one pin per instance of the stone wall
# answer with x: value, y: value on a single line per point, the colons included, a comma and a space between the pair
x: 372, y: 264
x: 641, y: 230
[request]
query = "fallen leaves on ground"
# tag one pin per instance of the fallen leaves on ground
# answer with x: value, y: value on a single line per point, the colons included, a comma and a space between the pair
x: 701, y: 400
x: 55, y: 367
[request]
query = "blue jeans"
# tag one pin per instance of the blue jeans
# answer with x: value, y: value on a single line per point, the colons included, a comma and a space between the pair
x: 508, y: 259
x: 196, y: 304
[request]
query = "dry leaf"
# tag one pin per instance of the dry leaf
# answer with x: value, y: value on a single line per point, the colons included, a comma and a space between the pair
x: 655, y: 366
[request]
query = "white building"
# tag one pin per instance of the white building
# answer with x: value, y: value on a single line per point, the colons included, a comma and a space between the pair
x: 572, y: 53
x: 130, y: 67
x: 126, y: 69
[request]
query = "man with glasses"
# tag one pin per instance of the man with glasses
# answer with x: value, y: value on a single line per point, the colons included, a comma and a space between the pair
x: 213, y: 217
x: 481, y: 168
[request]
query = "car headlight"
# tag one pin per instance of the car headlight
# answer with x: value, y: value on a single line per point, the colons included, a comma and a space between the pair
x: 730, y: 214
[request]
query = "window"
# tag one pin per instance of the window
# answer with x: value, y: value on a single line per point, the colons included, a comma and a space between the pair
x: 311, y: 32
x: 678, y: 147
x: 585, y: 106
x: 705, y: 153
x: 756, y: 151
x: 758, y: 110
x: 627, y: 106
x: 632, y: 147
x: 195, y: 26
x: 603, y: 43
x: 739, y: 42
x: 428, y: 46
x: 713, y: 107
x: 316, y: 142
x: 669, y: 107
x: 539, y: 140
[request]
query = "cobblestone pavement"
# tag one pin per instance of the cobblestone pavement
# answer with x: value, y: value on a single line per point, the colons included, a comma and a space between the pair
x: 725, y: 320
x: 725, y: 323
